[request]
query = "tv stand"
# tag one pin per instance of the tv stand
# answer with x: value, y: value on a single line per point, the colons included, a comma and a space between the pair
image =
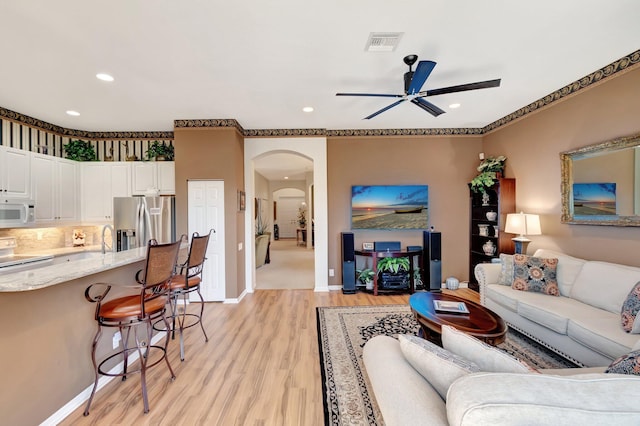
x: 391, y: 253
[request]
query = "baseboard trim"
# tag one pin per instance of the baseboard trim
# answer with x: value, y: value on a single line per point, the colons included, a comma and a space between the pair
x: 235, y: 300
x: 80, y: 399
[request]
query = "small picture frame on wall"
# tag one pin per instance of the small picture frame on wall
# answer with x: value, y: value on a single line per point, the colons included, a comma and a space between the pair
x: 242, y: 201
x: 367, y: 246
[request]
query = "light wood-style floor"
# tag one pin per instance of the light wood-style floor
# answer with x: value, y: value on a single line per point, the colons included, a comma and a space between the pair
x: 260, y: 367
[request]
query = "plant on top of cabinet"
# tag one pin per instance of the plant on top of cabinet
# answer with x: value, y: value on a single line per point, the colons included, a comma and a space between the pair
x: 488, y: 173
x: 80, y: 151
x: 160, y: 151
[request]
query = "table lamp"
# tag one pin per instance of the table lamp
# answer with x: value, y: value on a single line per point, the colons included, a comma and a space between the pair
x: 522, y: 224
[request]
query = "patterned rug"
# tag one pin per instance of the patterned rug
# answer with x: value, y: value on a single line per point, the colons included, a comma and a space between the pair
x: 343, y: 331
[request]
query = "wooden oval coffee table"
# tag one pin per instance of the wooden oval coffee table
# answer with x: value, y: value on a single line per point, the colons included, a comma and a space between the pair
x: 480, y: 322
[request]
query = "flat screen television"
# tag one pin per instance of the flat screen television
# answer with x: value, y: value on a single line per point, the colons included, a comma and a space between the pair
x: 389, y: 207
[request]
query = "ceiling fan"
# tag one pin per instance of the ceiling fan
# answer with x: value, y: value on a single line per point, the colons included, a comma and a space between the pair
x: 413, y: 82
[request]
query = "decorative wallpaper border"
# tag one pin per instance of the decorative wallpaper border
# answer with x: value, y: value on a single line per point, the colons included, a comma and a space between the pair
x: 623, y: 64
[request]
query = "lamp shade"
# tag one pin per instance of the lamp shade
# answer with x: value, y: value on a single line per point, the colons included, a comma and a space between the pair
x: 523, y: 224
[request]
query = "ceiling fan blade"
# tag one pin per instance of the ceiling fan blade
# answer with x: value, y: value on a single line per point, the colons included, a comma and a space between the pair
x: 427, y: 106
x: 384, y: 109
x: 463, y: 87
x: 377, y: 95
x: 420, y: 76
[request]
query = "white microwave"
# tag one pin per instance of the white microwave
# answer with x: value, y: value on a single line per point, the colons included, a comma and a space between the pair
x: 17, y: 213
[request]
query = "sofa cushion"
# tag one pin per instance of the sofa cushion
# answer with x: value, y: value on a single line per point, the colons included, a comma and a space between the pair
x: 437, y: 365
x: 502, y: 295
x: 630, y: 308
x: 567, y: 270
x: 506, y: 269
x: 605, y: 285
x: 600, y: 330
x: 550, y: 312
x: 626, y: 364
x: 540, y: 399
x: 535, y: 274
x: 487, y: 357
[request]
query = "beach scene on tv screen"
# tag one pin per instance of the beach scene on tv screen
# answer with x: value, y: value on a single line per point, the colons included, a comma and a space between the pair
x: 389, y: 206
x: 594, y: 199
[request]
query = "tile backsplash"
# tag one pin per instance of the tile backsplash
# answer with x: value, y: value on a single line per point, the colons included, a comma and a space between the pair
x: 38, y: 239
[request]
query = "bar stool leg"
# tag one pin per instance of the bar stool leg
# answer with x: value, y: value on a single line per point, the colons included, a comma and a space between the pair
x: 95, y: 367
x: 206, y: 338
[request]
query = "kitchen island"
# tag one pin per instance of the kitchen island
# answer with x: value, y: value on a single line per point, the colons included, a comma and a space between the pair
x: 48, y: 327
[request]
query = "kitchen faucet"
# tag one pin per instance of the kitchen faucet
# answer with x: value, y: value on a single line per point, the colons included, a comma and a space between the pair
x: 104, y: 244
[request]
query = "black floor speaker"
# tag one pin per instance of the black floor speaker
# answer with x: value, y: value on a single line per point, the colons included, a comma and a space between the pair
x: 432, y: 260
x: 348, y: 263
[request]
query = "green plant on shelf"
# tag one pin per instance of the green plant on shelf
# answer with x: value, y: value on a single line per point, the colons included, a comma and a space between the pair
x: 365, y: 276
x: 160, y: 151
x: 80, y: 150
x: 394, y: 265
x: 488, y: 173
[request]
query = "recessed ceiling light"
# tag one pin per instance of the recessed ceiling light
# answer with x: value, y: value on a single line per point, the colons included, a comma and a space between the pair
x: 307, y: 109
x: 104, y: 77
x: 286, y: 177
x: 74, y: 113
x: 454, y: 106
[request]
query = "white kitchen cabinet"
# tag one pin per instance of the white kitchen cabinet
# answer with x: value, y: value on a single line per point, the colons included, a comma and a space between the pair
x: 15, y: 173
x: 152, y: 176
x: 54, y: 187
x: 100, y: 182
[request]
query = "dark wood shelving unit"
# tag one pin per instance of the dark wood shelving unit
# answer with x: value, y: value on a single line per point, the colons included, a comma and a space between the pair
x: 502, y: 200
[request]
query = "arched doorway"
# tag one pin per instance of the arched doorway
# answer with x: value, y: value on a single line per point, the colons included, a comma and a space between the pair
x: 315, y: 150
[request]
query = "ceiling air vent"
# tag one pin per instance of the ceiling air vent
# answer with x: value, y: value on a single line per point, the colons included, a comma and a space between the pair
x: 383, y: 42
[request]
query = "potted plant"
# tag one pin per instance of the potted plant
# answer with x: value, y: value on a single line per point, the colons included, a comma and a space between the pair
x: 80, y: 150
x: 365, y: 276
x: 160, y: 151
x: 302, y: 217
x: 489, y: 170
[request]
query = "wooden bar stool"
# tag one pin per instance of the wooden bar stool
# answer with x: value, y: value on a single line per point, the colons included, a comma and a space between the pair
x: 188, y: 281
x: 136, y: 313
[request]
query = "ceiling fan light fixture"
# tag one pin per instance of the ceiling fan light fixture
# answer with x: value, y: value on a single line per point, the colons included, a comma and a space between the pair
x: 382, y: 42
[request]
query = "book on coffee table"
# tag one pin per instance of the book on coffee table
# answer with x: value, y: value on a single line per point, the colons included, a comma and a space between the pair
x: 450, y: 307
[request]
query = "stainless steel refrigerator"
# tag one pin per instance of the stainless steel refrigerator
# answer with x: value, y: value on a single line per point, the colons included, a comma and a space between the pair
x: 136, y: 220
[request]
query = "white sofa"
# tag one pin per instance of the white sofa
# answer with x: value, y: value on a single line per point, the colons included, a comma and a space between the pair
x: 578, y: 396
x: 583, y: 323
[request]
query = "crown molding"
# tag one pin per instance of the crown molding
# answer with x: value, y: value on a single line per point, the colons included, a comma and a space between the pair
x: 626, y: 63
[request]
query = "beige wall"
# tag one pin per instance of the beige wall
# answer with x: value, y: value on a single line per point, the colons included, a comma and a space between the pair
x: 444, y: 163
x: 533, y: 144
x: 46, y: 346
x: 214, y: 153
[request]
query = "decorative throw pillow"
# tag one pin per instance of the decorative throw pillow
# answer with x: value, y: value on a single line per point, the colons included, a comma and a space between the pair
x: 630, y: 309
x: 626, y: 364
x: 535, y: 274
x: 506, y: 269
x: 488, y: 358
x: 437, y: 365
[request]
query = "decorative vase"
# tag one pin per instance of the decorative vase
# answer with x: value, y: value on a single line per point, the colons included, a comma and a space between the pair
x: 484, y: 230
x: 369, y: 285
x: 489, y: 248
x: 492, y: 216
x: 485, y: 199
x: 452, y: 283
x: 496, y: 229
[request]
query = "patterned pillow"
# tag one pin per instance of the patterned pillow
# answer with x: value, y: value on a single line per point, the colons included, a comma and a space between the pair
x: 506, y: 269
x: 630, y: 309
x: 535, y: 274
x: 437, y: 365
x: 626, y: 364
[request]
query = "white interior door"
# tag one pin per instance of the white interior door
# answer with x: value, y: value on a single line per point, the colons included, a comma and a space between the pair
x: 206, y: 212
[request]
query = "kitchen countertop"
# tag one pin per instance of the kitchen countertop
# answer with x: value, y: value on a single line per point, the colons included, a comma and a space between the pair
x: 45, y: 276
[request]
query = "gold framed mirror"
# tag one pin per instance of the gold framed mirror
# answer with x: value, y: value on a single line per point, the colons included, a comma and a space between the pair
x: 601, y: 183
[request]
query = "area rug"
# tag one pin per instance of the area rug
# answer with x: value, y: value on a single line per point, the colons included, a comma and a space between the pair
x: 343, y: 331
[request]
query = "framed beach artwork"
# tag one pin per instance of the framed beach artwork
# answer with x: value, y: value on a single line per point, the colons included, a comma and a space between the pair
x: 389, y: 206
x: 594, y: 199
